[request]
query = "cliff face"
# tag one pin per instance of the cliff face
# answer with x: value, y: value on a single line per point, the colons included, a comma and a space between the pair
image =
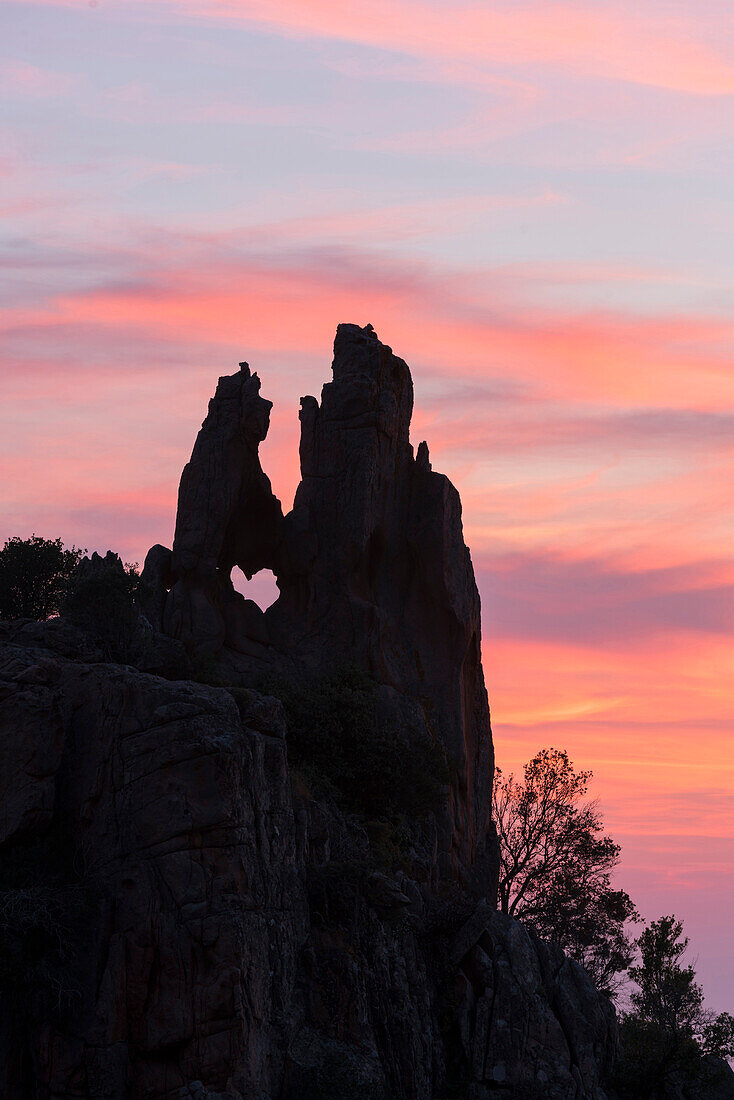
x: 153, y: 886
x: 373, y: 569
x: 184, y: 916
x: 177, y: 922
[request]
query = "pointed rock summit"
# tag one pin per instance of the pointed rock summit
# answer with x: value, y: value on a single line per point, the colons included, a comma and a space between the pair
x: 227, y: 516
x: 371, y: 565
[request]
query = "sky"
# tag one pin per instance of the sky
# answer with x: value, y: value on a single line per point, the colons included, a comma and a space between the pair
x: 532, y: 204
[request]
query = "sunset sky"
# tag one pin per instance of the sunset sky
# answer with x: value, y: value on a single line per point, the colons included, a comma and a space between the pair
x: 532, y: 203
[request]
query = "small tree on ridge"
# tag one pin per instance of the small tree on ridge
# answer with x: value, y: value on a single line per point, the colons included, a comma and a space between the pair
x: 669, y: 1040
x: 556, y: 865
x: 35, y: 575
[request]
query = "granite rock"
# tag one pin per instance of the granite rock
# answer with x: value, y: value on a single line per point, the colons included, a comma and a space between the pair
x: 182, y: 915
x: 371, y: 565
x: 175, y: 813
x: 209, y: 929
x: 227, y: 516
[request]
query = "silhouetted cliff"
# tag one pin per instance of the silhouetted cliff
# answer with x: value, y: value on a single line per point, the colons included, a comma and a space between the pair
x: 203, y: 896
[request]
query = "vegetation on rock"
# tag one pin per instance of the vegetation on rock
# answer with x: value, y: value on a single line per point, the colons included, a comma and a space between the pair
x: 100, y: 601
x: 35, y: 575
x: 556, y: 866
x: 340, y: 742
x: 670, y: 1042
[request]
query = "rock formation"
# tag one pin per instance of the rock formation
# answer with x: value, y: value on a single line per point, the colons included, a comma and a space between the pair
x: 373, y: 569
x: 198, y: 922
x: 227, y: 516
x: 172, y: 910
x: 182, y: 915
x: 371, y: 565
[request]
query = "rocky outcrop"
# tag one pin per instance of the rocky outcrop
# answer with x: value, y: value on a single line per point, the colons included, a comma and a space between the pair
x: 179, y: 920
x: 530, y: 1020
x: 371, y: 565
x: 227, y: 516
x: 163, y: 817
x: 374, y: 570
x: 183, y: 914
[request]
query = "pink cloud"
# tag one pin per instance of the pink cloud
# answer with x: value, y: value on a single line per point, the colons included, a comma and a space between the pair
x: 404, y: 221
x: 594, y: 356
x: 627, y: 44
x: 592, y: 41
x: 596, y: 602
x: 24, y: 79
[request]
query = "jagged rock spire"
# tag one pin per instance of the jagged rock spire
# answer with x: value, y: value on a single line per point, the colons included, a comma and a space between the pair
x: 227, y: 516
x: 371, y: 565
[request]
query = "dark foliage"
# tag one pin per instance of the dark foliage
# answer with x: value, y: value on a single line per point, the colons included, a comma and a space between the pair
x: 669, y: 1040
x: 343, y: 746
x: 556, y: 865
x: 35, y: 574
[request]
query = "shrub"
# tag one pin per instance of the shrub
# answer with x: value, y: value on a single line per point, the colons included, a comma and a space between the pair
x: 35, y: 574
x: 347, y: 750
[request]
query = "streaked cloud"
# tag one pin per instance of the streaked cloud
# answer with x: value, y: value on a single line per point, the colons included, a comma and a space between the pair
x: 590, y: 602
x: 19, y: 78
x: 227, y: 294
x: 593, y: 39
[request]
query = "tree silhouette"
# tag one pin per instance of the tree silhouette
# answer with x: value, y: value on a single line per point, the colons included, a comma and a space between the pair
x: 35, y: 575
x: 556, y: 865
x: 669, y: 1040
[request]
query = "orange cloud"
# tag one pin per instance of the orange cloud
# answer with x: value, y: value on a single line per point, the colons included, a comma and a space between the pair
x: 638, y: 742
x: 429, y: 315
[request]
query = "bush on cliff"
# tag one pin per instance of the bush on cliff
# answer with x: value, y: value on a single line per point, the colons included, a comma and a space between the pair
x: 35, y: 575
x: 349, y: 751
